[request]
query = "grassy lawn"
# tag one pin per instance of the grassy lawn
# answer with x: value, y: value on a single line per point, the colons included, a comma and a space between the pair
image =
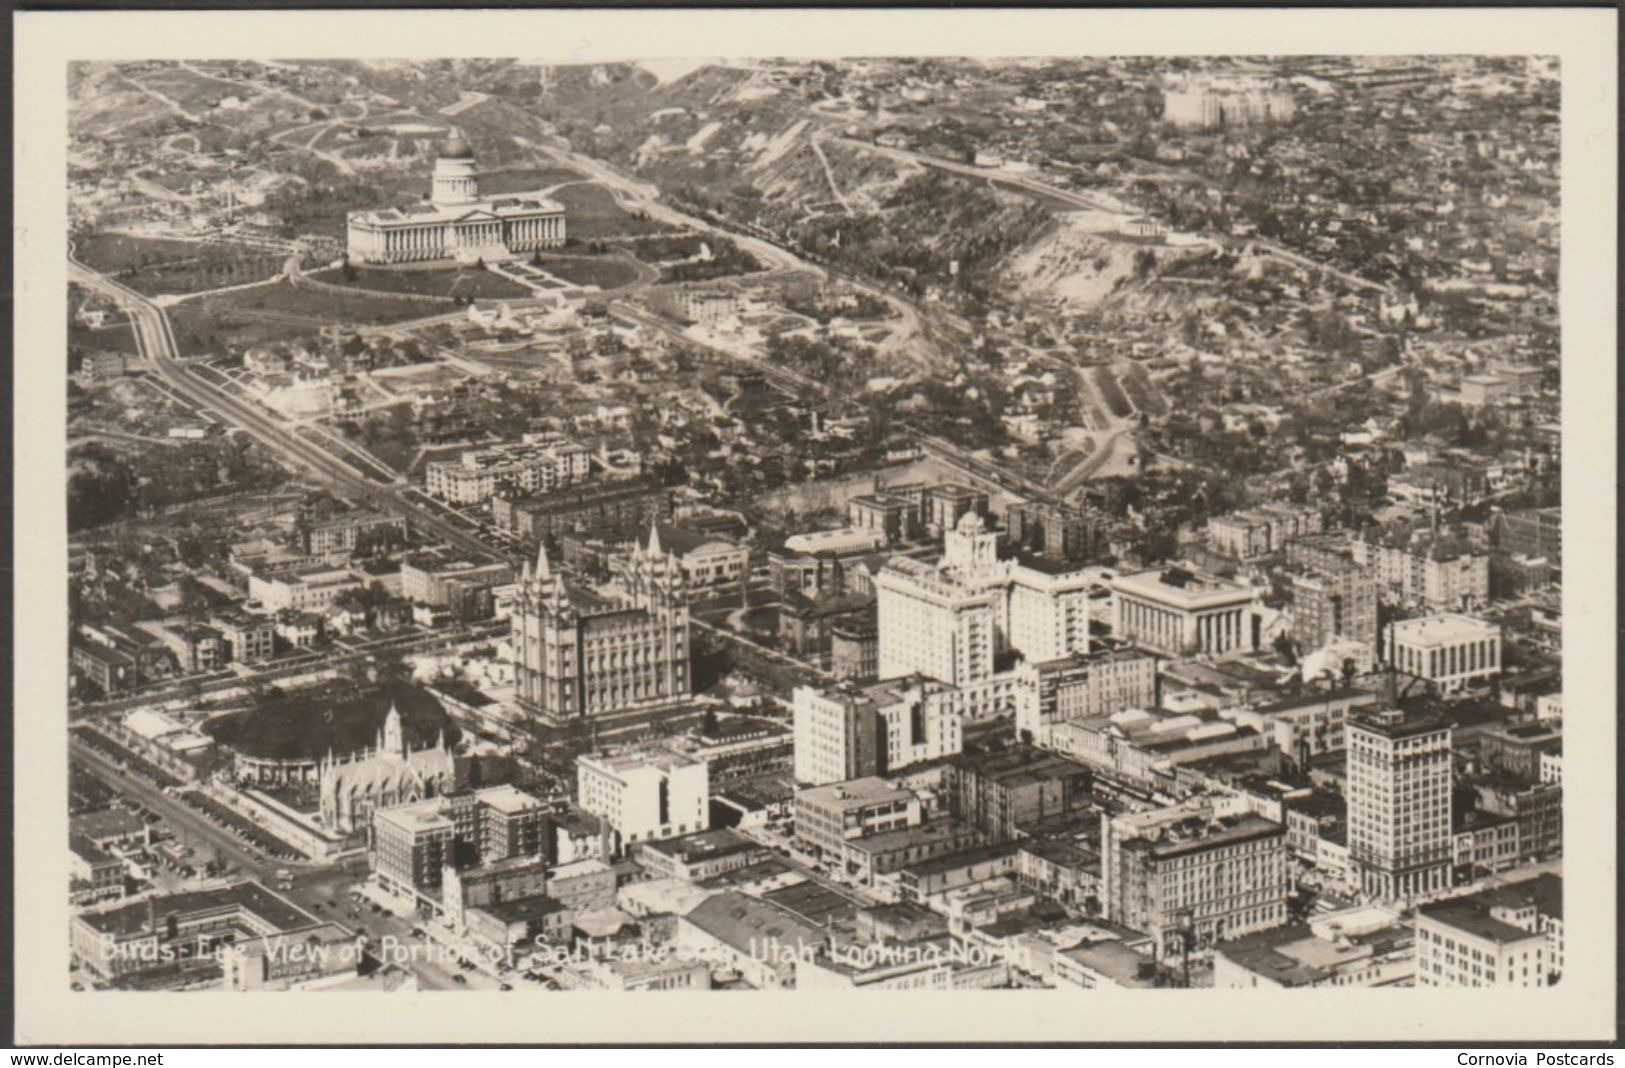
x: 152, y: 266
x: 109, y: 253
x: 438, y: 282
x: 282, y: 313
x: 524, y: 180
x: 116, y: 338
x: 591, y: 214
x: 605, y: 272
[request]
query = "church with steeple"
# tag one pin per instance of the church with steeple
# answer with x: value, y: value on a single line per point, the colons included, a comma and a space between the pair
x: 454, y: 223
x: 390, y: 773
x: 580, y: 653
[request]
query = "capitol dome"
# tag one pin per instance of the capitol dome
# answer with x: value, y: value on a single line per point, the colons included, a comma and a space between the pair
x: 455, y: 146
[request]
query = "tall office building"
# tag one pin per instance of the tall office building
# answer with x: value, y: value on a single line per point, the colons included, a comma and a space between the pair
x: 851, y: 732
x: 1336, y: 604
x: 949, y: 621
x: 1194, y: 874
x: 651, y: 794
x: 1399, y: 804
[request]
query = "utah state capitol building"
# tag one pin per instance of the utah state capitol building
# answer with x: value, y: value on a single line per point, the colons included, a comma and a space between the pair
x: 455, y: 223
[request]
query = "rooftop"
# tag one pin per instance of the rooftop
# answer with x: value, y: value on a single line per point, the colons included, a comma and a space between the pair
x: 1112, y: 959
x: 508, y: 800
x: 747, y: 924
x: 1394, y: 724
x: 132, y: 918
x: 1444, y: 629
x: 1293, y: 955
x: 707, y: 845
x: 1471, y: 915
x: 1021, y: 765
x: 1182, y: 588
x: 855, y: 793
x: 524, y: 909
x: 962, y: 859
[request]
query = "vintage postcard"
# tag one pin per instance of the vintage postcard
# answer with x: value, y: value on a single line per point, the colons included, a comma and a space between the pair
x: 924, y: 526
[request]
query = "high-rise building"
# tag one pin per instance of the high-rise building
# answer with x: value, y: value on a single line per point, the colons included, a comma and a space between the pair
x: 1336, y: 605
x: 579, y: 654
x: 414, y: 843
x: 647, y: 794
x: 1399, y: 829
x: 1194, y: 874
x: 1441, y: 574
x: 1084, y: 685
x: 1054, y: 531
x: 951, y: 620
x: 850, y: 732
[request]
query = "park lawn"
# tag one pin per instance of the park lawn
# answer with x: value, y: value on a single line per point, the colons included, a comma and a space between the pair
x: 154, y: 266
x: 279, y: 312
x: 110, y: 253
x: 116, y: 338
x: 591, y: 214
x: 431, y: 282
x: 605, y: 272
x: 524, y: 180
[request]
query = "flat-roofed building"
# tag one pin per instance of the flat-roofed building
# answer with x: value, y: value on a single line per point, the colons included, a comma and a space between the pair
x: 336, y: 539
x: 1146, y: 745
x: 181, y: 933
x: 309, y: 589
x: 1180, y: 612
x: 1480, y: 941
x: 1307, y: 725
x: 829, y: 816
x: 1333, y: 951
x: 1082, y: 686
x: 645, y: 794
x: 536, y: 464
x: 850, y: 731
x: 894, y: 518
x: 1002, y: 792
x: 1336, y: 605
x: 951, y: 620
x: 695, y: 857
x: 615, y: 511
x: 1398, y: 794
x: 1439, y: 573
x: 1449, y: 651
x: 1190, y: 875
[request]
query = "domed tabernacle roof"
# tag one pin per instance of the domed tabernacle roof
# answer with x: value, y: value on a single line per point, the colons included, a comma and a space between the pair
x: 455, y: 146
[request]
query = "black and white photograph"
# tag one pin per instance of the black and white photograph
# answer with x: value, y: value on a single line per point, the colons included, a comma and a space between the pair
x: 874, y: 522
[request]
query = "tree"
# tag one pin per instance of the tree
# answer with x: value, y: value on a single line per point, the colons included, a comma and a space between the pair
x: 1286, y: 648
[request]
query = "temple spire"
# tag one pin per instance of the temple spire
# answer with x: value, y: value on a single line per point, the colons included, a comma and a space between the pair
x: 654, y: 538
x: 543, y: 571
